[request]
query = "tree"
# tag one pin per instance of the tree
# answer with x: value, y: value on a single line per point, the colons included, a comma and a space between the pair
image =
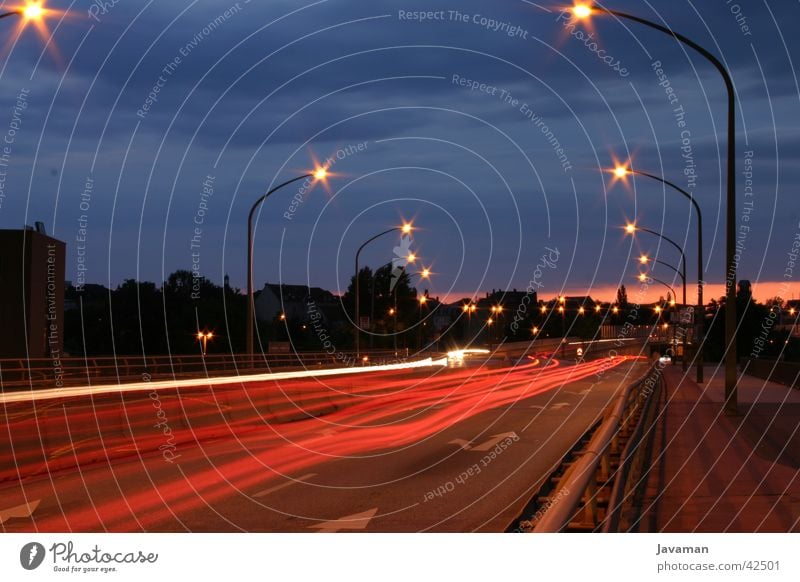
x: 622, y: 297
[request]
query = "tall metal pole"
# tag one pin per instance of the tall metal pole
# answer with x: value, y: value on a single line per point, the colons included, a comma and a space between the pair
x: 358, y: 288
x: 683, y: 266
x: 250, y: 293
x: 683, y: 280
x: 699, y: 312
x: 731, y: 397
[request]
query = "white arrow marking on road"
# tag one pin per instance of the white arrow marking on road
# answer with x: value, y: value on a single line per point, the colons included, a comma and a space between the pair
x: 465, y: 445
x: 24, y: 510
x: 355, y: 521
x: 539, y: 406
x: 558, y: 405
x: 300, y: 479
x: 494, y: 440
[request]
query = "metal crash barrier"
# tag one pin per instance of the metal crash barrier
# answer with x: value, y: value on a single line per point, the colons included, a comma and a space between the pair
x: 601, y: 487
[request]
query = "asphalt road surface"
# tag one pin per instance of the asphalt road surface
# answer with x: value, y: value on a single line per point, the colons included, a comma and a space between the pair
x: 452, y: 450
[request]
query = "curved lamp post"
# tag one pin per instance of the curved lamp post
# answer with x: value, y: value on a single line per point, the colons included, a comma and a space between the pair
x: 644, y: 277
x: 405, y: 229
x: 583, y: 11
x: 317, y: 175
x: 425, y: 273
x: 632, y: 229
x: 644, y: 259
x: 621, y: 172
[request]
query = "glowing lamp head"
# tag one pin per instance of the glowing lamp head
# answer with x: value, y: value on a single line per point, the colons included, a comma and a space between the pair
x: 621, y: 171
x: 543, y: 309
x: 490, y: 321
x: 672, y: 303
x: 616, y: 309
x: 465, y: 308
x: 630, y: 228
x: 411, y: 257
x: 425, y: 274
x: 423, y: 300
x: 597, y: 308
x: 582, y: 11
x: 199, y: 335
x: 644, y: 259
x: 643, y: 278
x: 535, y: 330
x: 658, y: 309
x: 561, y: 310
x: 33, y: 11
x: 406, y: 228
x: 320, y: 173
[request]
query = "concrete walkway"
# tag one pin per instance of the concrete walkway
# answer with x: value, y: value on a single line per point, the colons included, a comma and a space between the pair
x: 717, y: 473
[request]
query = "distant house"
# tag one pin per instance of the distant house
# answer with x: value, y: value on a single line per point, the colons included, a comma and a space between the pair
x: 295, y: 302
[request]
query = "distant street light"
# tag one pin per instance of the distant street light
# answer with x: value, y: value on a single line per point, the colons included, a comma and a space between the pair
x: 623, y: 171
x: 203, y: 337
x: 644, y: 278
x: 632, y: 228
x: 583, y: 11
x: 644, y: 259
x: 406, y: 228
x: 318, y: 175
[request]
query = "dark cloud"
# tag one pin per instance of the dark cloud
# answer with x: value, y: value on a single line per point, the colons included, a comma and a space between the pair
x: 249, y: 102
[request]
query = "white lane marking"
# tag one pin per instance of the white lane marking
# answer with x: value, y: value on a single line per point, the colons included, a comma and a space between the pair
x: 465, y: 445
x: 24, y: 510
x: 494, y: 440
x: 300, y: 479
x: 485, y: 446
x: 355, y: 521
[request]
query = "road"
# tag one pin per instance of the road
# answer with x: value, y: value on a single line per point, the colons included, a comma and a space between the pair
x: 442, y: 450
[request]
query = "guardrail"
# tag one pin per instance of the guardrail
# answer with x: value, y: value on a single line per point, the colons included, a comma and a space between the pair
x: 46, y: 372
x: 600, y: 489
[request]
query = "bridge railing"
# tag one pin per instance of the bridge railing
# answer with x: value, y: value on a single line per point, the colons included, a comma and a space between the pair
x: 48, y: 372
x: 601, y: 489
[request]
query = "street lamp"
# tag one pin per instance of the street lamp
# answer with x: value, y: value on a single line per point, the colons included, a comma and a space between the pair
x: 203, y: 337
x: 621, y: 172
x: 405, y: 228
x: 318, y: 175
x: 644, y: 278
x: 31, y: 11
x: 425, y: 273
x: 583, y: 11
x: 644, y: 260
x: 423, y: 300
x: 631, y: 228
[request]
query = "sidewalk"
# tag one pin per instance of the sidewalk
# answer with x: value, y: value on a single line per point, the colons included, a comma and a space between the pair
x: 715, y: 473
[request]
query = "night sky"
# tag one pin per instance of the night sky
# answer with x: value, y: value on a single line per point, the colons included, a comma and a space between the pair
x: 130, y: 121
